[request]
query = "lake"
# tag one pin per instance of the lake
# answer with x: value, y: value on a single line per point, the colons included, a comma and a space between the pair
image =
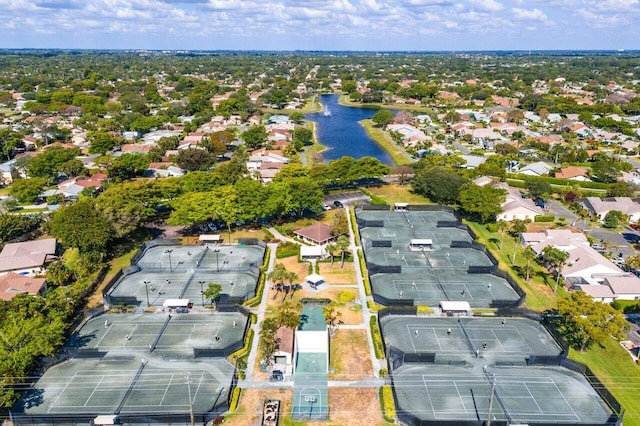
x: 338, y: 128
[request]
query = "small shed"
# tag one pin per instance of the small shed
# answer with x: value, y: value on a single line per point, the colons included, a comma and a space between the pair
x: 314, y: 280
x: 421, y: 244
x: 455, y: 307
x: 401, y: 207
x: 177, y: 303
x: 103, y: 420
x: 210, y: 238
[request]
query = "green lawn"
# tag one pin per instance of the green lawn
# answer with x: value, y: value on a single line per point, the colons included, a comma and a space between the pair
x: 394, y: 193
x: 617, y: 371
x: 380, y: 137
x: 539, y: 291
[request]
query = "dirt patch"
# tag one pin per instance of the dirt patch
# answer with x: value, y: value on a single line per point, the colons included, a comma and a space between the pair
x: 337, y: 275
x: 348, y: 406
x: 355, y: 407
x: 291, y: 264
x: 350, y: 355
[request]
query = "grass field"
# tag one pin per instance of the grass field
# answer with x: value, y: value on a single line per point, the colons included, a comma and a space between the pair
x: 539, y: 287
x: 394, y: 193
x: 381, y: 137
x: 349, y: 358
x: 337, y: 275
x: 617, y: 371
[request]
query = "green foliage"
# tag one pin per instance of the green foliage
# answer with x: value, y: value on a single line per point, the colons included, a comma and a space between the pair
x: 13, y: 225
x: 621, y: 189
x: 537, y: 187
x: 195, y: 159
x: 27, y: 190
x: 383, y: 117
x: 212, y: 292
x: 287, y: 249
x: 626, y: 306
x: 346, y: 297
x: 483, y: 202
x: 543, y: 218
x: 439, y: 184
x: 235, y: 399
x: 59, y: 274
x: 102, y: 142
x: 81, y: 225
x: 255, y: 136
x: 584, y: 322
x: 47, y: 164
x: 605, y: 171
x: 128, y: 166
x: 613, y: 219
x: 387, y: 404
x: 376, y: 337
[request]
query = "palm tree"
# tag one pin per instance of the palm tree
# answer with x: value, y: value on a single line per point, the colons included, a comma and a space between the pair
x: 529, y: 255
x: 332, y: 249
x: 502, y: 226
x: 332, y: 318
x: 343, y: 246
x: 557, y: 258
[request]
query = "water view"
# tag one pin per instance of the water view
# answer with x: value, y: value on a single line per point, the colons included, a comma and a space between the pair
x: 338, y: 128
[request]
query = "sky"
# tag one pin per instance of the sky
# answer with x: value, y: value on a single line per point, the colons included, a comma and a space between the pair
x: 373, y: 25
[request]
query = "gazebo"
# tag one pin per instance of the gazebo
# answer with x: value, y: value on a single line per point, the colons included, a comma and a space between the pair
x: 314, y: 280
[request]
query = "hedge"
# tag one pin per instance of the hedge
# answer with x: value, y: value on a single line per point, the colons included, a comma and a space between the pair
x: 564, y: 182
x: 376, y: 337
x: 387, y: 404
x: 365, y: 275
x: 255, y: 301
x: 354, y: 226
x: 287, y: 249
x: 544, y: 218
x: 626, y: 306
x: 235, y: 399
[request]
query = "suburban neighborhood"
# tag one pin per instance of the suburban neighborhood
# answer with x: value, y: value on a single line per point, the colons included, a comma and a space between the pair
x: 185, y: 241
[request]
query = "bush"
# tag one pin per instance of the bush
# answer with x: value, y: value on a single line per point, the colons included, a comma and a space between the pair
x: 287, y: 249
x: 376, y: 337
x: 626, y: 306
x: 365, y: 275
x: 387, y: 404
x: 235, y: 399
x: 492, y: 227
x: 346, y: 297
x: 544, y: 218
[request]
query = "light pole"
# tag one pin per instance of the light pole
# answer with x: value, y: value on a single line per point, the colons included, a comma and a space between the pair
x: 169, y: 253
x: 202, y: 292
x: 190, y: 402
x: 146, y: 287
x: 217, y: 252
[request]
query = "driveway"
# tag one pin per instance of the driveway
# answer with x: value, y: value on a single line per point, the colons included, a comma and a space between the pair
x: 347, y: 198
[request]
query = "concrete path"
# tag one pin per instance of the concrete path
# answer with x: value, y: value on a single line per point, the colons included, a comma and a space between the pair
x: 251, y: 362
x: 281, y: 237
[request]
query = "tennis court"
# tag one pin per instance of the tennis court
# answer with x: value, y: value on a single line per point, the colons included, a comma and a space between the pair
x: 132, y: 384
x: 451, y: 338
x: 174, y: 334
x: 522, y: 394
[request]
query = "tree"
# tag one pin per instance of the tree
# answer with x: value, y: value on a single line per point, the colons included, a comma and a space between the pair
x: 331, y: 249
x: 403, y: 173
x: 302, y: 137
x: 254, y: 136
x: 212, y: 292
x: 13, y: 225
x: 343, y: 246
x: 583, y: 321
x: 383, y: 117
x: 27, y: 190
x: 538, y: 188
x: 439, y: 184
x: 605, y: 171
x: 332, y: 318
x: 529, y: 255
x: 339, y: 225
x: 102, y: 142
x: 502, y: 226
x: 46, y: 165
x: 483, y: 202
x: 613, y: 218
x: 195, y: 159
x: 128, y: 166
x: 59, y: 274
x: 621, y: 189
x: 81, y: 225
x: 9, y: 140
x: 557, y: 259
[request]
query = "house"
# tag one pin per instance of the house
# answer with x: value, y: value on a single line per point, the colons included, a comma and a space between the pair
x: 601, y: 206
x: 514, y: 206
x: 472, y: 161
x: 626, y: 287
x: 12, y: 284
x: 318, y: 233
x: 7, y: 172
x: 28, y: 257
x: 282, y: 358
x: 539, y: 168
x: 574, y: 173
x: 584, y: 265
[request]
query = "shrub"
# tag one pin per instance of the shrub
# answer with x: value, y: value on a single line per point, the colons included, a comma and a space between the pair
x: 544, y: 218
x: 376, y: 337
x: 387, y: 404
x: 268, y: 236
x: 287, y: 249
x: 235, y: 399
x: 492, y: 227
x: 365, y: 275
x: 346, y: 297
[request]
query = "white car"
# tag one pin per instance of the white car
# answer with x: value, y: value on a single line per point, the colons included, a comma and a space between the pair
x: 326, y: 207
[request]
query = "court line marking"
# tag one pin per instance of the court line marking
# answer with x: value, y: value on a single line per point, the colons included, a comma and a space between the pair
x: 95, y: 388
x: 55, y: 401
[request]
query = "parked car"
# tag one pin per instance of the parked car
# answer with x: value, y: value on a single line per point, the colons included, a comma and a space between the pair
x: 326, y: 207
x: 338, y: 204
x: 598, y: 246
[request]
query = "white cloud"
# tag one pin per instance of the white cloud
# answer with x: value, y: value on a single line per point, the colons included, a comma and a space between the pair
x: 487, y: 5
x: 529, y: 15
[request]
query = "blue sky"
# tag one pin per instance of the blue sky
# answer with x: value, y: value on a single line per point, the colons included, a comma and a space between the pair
x: 321, y: 24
